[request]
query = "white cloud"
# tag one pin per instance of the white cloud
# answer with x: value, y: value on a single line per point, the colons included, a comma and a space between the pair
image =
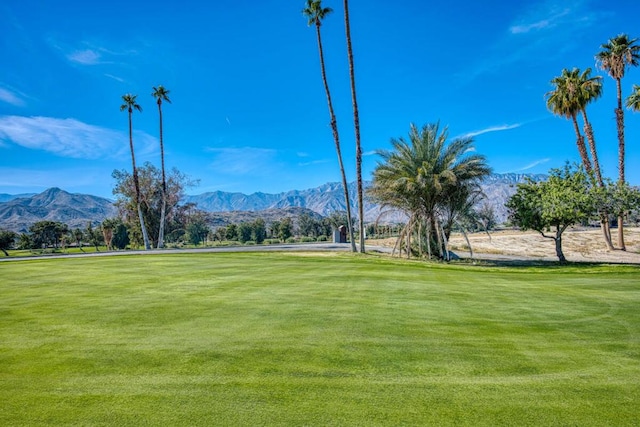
x: 548, y: 16
x: 69, y: 137
x: 548, y: 29
x: 244, y: 160
x: 85, y: 57
x: 11, y: 97
x: 531, y: 165
x: 490, y: 129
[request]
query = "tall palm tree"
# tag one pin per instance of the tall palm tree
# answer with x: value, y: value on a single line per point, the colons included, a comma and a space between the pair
x: 418, y: 178
x: 573, y: 91
x: 618, y: 53
x: 130, y: 104
x: 588, y: 89
x: 162, y: 94
x: 316, y: 13
x: 563, y: 101
x: 356, y: 125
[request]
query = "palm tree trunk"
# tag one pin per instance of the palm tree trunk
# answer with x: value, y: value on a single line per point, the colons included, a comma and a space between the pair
x: 588, y: 131
x: 356, y: 124
x: 604, y: 217
x: 336, y: 138
x: 620, y: 124
x: 163, y: 209
x: 582, y: 148
x: 136, y: 184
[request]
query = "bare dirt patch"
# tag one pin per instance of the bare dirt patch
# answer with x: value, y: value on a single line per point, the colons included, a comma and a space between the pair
x: 578, y: 244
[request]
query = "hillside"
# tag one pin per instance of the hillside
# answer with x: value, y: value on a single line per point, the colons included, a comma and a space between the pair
x: 18, y: 212
x: 54, y: 204
x: 329, y: 198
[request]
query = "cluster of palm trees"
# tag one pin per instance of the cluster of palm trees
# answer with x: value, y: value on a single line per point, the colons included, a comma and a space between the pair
x: 575, y: 89
x: 130, y: 104
x: 316, y: 13
x: 434, y: 182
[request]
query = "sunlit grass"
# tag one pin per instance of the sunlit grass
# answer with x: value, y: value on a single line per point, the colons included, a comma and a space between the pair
x: 315, y: 339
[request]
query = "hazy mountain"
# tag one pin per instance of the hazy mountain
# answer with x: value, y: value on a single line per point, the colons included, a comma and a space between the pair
x: 76, y: 210
x: 6, y: 197
x: 54, y: 204
x: 330, y: 197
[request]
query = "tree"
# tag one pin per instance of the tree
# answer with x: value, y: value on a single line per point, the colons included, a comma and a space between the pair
x: 7, y: 240
x: 618, y: 53
x: 197, y: 228
x: 94, y: 236
x: 356, y: 125
x: 633, y: 101
x: 574, y: 90
x: 78, y: 235
x: 107, y: 227
x: 418, y: 178
x: 130, y: 104
x: 232, y: 232
x: 150, y: 192
x: 285, y: 230
x: 315, y: 14
x: 244, y: 232
x: 47, y: 233
x: 259, y: 231
x: 120, y: 235
x: 161, y: 94
x: 563, y: 101
x: 561, y: 201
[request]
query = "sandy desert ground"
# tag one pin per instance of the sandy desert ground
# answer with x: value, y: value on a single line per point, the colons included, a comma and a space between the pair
x: 579, y: 245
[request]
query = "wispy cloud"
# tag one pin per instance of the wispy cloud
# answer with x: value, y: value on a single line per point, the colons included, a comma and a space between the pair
x: 12, y: 97
x: 546, y: 16
x: 69, y: 137
x: 244, y: 160
x: 85, y: 57
x: 530, y: 165
x: 490, y: 129
x: 89, y: 53
x: 547, y: 29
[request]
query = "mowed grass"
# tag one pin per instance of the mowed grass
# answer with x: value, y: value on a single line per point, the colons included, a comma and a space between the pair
x: 315, y: 339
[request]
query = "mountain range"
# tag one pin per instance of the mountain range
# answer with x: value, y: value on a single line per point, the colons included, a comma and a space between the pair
x: 18, y: 212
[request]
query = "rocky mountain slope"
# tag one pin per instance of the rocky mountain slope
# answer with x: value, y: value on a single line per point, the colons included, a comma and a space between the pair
x: 54, y: 204
x: 76, y: 210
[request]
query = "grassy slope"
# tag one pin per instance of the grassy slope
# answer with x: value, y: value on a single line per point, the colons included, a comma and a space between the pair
x: 315, y: 339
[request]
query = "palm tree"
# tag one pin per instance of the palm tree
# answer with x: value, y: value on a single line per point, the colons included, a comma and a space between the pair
x: 573, y: 91
x: 161, y: 94
x: 588, y: 89
x: 563, y: 101
x: 315, y: 14
x: 356, y: 125
x: 618, y: 53
x: 633, y: 101
x: 419, y: 176
x: 130, y: 104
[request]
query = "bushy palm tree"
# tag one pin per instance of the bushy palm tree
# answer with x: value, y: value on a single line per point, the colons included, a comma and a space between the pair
x: 573, y: 91
x: 563, y: 101
x: 316, y: 13
x: 616, y: 55
x: 161, y: 94
x: 420, y: 178
x: 588, y: 89
x: 356, y: 125
x: 129, y: 105
x: 633, y: 101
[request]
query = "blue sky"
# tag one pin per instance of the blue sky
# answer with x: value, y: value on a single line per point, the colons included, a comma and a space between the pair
x: 249, y: 111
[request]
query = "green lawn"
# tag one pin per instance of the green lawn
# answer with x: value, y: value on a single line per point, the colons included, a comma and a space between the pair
x: 246, y: 339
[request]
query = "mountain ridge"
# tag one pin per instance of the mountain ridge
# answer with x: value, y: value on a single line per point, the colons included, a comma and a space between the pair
x: 76, y: 210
